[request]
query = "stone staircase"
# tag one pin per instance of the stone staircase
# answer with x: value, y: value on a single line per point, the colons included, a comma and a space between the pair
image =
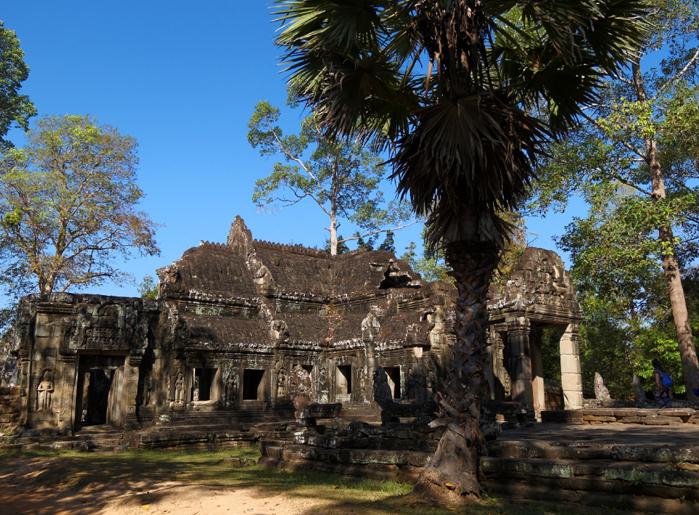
x: 628, y: 467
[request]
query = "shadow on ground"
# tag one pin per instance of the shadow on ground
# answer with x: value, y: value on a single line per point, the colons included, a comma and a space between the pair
x: 82, y: 483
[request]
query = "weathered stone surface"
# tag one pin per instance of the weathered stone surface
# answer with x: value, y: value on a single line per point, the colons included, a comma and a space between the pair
x: 250, y: 329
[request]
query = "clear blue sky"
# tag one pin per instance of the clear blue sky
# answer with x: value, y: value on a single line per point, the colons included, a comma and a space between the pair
x: 182, y: 77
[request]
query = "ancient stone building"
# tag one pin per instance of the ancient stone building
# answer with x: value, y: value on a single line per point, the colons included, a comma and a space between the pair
x: 235, y: 323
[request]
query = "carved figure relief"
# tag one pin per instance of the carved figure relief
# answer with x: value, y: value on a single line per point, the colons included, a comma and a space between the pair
x: 282, y: 381
x: 371, y: 323
x: 179, y: 387
x: 231, y: 389
x: 44, y: 391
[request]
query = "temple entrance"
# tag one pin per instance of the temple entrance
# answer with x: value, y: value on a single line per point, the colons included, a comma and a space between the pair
x: 96, y: 402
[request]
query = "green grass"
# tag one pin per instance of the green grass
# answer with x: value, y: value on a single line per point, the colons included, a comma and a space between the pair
x: 68, y: 472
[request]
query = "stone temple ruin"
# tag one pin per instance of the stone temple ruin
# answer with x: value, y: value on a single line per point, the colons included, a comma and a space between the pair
x: 236, y: 325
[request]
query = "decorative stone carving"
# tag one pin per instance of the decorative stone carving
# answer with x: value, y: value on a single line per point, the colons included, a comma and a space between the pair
x: 44, y: 391
x: 179, y: 387
x: 231, y: 388
x: 279, y: 331
x: 195, y: 390
x: 394, y: 277
x: 282, y: 384
x: 371, y: 325
x: 601, y: 392
x: 300, y: 389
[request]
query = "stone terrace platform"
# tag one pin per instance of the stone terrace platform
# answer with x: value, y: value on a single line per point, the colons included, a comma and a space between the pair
x: 628, y: 466
x: 644, y: 416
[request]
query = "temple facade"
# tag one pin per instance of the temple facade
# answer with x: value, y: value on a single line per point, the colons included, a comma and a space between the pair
x: 234, y: 324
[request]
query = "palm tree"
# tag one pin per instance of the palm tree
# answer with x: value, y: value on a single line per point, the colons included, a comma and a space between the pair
x: 464, y: 94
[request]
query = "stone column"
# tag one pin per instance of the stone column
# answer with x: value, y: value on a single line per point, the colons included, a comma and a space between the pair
x: 65, y: 391
x: 518, y: 341
x: 571, y: 376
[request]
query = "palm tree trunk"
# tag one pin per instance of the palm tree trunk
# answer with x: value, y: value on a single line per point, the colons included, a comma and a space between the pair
x: 454, y: 466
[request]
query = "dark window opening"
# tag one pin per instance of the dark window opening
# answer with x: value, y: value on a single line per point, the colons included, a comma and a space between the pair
x: 344, y: 379
x: 203, y: 380
x: 393, y: 377
x: 253, y: 388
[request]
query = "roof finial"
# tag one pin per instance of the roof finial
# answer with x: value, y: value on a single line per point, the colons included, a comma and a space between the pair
x: 239, y: 237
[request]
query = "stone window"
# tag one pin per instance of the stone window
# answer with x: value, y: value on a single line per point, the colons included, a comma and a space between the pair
x: 344, y: 380
x: 253, y: 386
x: 393, y: 377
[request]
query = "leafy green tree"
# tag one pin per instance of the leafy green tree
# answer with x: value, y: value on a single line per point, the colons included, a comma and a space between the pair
x: 448, y: 88
x: 15, y: 109
x: 635, y: 162
x: 68, y: 206
x: 389, y: 243
x: 342, y: 179
x: 148, y: 288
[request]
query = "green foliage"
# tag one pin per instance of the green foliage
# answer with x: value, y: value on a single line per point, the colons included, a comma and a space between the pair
x: 68, y: 206
x: 341, y: 178
x: 616, y: 249
x: 450, y: 87
x: 148, y: 288
x: 15, y: 109
x: 388, y: 243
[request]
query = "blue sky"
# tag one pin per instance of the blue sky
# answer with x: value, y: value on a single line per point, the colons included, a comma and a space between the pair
x: 182, y: 77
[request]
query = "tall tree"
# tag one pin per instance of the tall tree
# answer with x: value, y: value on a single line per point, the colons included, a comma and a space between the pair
x: 341, y: 178
x: 15, y: 109
x: 68, y: 206
x: 635, y: 161
x: 448, y: 87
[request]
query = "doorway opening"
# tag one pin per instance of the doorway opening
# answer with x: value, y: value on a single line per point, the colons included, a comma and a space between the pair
x: 343, y: 382
x: 203, y: 381
x: 393, y: 377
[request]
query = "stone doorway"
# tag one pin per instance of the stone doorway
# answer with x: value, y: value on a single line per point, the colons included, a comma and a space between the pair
x: 97, y: 398
x: 343, y: 383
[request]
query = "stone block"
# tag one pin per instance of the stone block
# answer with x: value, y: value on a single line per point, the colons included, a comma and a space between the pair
x: 684, y: 413
x: 593, y: 419
x: 625, y: 412
x: 569, y: 346
x: 659, y: 420
x: 573, y: 399
x: 570, y: 363
x: 571, y: 382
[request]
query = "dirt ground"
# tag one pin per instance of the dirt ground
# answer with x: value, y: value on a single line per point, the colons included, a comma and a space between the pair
x: 181, y: 483
x: 208, y: 483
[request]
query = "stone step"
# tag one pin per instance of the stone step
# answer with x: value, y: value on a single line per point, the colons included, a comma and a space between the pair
x: 619, y: 476
x: 655, y: 453
x: 640, y: 502
x: 645, y: 416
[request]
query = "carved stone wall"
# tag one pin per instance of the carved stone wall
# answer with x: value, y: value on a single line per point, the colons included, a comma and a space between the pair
x: 235, y: 324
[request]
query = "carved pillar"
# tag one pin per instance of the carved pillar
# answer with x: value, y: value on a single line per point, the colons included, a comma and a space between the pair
x: 216, y: 392
x: 518, y: 341
x: 24, y: 392
x: 571, y: 376
x: 65, y: 389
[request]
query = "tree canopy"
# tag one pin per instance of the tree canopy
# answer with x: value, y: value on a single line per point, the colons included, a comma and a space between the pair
x: 15, y: 109
x: 341, y: 178
x: 69, y: 206
x: 634, y: 159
